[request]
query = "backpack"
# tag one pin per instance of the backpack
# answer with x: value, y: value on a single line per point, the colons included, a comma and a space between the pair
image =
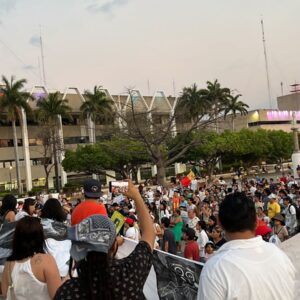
x: 297, y: 210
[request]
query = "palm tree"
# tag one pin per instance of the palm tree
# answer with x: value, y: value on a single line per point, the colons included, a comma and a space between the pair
x: 96, y: 106
x: 234, y: 106
x: 191, y: 102
x: 12, y: 101
x: 216, y: 96
x: 49, y: 112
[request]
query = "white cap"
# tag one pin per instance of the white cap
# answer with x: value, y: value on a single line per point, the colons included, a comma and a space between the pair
x: 272, y: 196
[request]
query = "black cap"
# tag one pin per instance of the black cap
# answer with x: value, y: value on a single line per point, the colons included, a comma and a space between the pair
x: 92, y: 188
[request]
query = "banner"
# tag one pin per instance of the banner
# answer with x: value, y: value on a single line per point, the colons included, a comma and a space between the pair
x: 171, y: 277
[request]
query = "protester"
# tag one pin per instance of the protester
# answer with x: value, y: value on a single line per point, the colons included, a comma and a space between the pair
x: 217, y: 237
x: 202, y: 237
x: 290, y: 214
x: 279, y: 231
x: 192, y: 220
x: 28, y: 209
x: 60, y: 250
x: 191, y: 250
x: 168, y: 240
x: 29, y: 273
x: 273, y: 207
x: 8, y: 209
x: 209, y: 250
x: 131, y: 231
x: 238, y: 269
x: 177, y: 223
x: 92, y: 193
x: 94, y: 246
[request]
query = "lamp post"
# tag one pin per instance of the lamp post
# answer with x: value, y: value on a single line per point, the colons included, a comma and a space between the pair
x: 296, y: 152
x: 10, y: 183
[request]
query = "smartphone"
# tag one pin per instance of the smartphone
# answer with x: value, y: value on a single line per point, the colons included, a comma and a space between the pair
x: 118, y: 187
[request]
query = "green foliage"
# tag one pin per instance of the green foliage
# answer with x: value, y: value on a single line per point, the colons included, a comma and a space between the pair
x: 13, y: 98
x: 118, y: 154
x: 97, y: 104
x: 243, y: 148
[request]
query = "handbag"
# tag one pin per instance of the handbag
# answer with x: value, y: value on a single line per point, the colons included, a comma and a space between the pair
x: 10, y: 291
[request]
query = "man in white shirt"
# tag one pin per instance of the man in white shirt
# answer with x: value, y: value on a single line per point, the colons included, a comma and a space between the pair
x: 192, y: 220
x: 246, y: 267
x: 290, y: 213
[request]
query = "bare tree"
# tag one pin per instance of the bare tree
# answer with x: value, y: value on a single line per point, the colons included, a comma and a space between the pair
x: 195, y: 110
x: 50, y: 145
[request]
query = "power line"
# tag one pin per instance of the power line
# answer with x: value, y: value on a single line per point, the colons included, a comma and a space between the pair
x: 18, y: 58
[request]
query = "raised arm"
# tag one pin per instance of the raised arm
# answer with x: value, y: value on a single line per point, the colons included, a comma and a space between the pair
x: 146, y: 224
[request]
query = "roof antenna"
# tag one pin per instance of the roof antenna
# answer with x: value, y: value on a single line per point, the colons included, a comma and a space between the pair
x: 266, y: 62
x: 43, y: 57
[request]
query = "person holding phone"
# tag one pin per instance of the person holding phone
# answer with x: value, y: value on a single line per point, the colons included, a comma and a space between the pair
x: 100, y: 275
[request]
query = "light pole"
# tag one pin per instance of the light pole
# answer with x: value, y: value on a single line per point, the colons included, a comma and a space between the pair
x: 10, y: 183
x: 296, y: 152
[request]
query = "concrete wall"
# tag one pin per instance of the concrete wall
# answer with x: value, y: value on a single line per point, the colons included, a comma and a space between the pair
x: 289, y: 102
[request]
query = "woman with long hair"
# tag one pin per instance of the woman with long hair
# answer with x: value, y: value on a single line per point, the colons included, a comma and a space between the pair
x: 52, y: 211
x: 100, y: 275
x: 27, y: 210
x: 29, y: 273
x: 8, y: 208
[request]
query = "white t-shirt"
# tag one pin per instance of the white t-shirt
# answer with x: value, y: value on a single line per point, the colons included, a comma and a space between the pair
x: 132, y: 233
x: 194, y: 185
x: 202, y: 240
x: 248, y: 269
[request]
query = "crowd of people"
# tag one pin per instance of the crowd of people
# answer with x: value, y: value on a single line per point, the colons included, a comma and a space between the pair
x: 196, y: 222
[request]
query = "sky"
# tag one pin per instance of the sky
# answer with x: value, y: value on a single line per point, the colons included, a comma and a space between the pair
x: 153, y: 44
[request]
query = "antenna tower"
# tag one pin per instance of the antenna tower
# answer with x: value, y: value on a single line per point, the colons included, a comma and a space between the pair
x: 266, y: 62
x: 43, y: 58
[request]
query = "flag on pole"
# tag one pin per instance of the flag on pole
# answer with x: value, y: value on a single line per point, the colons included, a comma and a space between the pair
x: 188, y: 178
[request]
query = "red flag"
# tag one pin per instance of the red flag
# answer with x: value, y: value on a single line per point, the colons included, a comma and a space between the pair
x: 185, y: 181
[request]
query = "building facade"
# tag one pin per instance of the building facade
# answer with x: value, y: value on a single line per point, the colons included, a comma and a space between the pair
x: 72, y: 133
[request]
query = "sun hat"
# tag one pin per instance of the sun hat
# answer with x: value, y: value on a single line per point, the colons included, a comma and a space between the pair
x: 278, y: 217
x: 92, y: 188
x: 95, y: 233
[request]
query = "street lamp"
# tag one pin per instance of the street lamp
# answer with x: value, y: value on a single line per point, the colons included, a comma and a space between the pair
x: 10, y: 185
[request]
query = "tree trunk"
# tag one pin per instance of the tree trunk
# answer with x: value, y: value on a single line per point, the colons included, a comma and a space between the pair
x: 161, y: 174
x: 20, y: 190
x: 232, y: 120
x: 56, y: 171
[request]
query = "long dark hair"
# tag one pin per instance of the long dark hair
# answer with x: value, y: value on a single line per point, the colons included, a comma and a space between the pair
x: 9, y: 203
x: 95, y: 265
x: 28, y: 202
x: 53, y: 210
x: 28, y: 239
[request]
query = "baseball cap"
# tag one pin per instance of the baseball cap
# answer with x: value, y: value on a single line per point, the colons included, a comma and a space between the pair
x: 95, y: 233
x: 272, y: 196
x: 92, y: 188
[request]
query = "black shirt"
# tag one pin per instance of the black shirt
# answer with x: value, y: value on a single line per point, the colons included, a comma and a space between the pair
x: 170, y: 238
x: 128, y: 276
